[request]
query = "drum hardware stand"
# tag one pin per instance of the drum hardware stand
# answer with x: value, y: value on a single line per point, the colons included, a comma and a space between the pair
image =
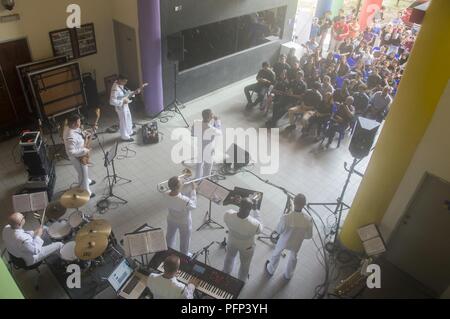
x: 205, y: 252
x: 104, y: 204
x: 208, y: 219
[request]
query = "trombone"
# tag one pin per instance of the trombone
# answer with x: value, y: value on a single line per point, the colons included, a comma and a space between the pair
x: 163, y: 187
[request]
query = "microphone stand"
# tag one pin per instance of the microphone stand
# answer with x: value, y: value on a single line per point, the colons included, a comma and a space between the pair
x: 204, y: 251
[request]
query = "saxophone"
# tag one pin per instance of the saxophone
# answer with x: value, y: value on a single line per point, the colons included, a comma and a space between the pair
x: 85, y: 160
x: 355, y: 281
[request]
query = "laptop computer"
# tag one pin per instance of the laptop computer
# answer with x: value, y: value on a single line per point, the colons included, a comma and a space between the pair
x: 128, y: 283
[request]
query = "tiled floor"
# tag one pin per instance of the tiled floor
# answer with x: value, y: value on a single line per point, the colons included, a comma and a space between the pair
x: 304, y: 167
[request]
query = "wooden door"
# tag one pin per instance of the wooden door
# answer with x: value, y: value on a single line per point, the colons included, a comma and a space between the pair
x: 13, y: 107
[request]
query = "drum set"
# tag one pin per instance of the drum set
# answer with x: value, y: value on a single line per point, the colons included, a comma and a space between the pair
x: 85, y: 240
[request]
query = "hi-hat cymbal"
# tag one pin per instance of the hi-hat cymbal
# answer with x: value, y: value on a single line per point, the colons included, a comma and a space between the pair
x: 96, y: 227
x: 55, y: 210
x: 75, y: 198
x: 90, y: 247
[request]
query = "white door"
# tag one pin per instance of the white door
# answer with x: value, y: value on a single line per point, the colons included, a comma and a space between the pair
x: 421, y: 243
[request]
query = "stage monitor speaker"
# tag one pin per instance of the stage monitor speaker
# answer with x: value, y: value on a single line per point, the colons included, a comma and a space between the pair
x: 175, y: 47
x: 363, y: 137
x: 237, y: 157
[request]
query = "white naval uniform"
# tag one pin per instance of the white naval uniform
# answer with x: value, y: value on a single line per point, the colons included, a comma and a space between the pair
x: 23, y: 244
x: 163, y: 288
x: 118, y: 93
x: 179, y: 218
x: 206, y: 159
x: 293, y: 229
x: 74, y: 142
x: 241, y: 238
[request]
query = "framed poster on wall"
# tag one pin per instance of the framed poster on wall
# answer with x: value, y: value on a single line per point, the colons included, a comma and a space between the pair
x: 86, y: 40
x: 62, y: 43
x: 74, y: 43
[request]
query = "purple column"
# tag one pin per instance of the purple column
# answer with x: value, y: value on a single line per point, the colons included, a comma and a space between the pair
x: 151, y: 63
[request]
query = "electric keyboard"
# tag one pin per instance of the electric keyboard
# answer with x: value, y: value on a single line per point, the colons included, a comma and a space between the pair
x: 214, y: 283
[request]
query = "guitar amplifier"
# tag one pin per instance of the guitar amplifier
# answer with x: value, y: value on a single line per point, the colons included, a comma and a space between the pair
x: 150, y: 133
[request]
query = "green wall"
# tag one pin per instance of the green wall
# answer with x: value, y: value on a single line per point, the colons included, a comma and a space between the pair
x: 337, y: 4
x: 8, y: 287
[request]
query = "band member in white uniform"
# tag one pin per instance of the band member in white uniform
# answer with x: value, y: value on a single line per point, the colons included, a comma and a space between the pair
x: 243, y: 226
x: 206, y: 132
x: 179, y: 217
x: 166, y: 285
x: 26, y: 245
x: 121, y: 103
x: 74, y: 141
x: 293, y: 228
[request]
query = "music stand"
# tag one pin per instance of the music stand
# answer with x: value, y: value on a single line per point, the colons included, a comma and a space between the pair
x: 112, y: 179
x: 213, y: 197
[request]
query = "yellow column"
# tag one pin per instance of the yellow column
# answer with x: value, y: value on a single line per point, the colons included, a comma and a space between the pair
x: 425, y: 78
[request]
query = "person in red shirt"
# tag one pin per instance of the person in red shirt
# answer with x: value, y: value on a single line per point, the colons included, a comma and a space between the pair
x: 340, y: 32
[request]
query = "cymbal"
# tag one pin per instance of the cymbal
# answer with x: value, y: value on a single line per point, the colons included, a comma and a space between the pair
x: 55, y: 210
x: 75, y: 198
x: 90, y: 247
x: 96, y: 227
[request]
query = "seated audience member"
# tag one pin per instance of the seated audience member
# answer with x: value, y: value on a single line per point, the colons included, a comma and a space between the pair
x: 322, y: 115
x: 281, y: 99
x: 341, y: 120
x: 266, y: 78
x: 361, y: 100
x: 281, y: 66
x: 346, y: 48
x: 311, y: 102
x: 326, y: 86
x: 379, y: 104
x: 343, y: 67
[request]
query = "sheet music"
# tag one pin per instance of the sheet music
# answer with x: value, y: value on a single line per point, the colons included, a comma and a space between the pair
x: 39, y: 201
x: 212, y: 191
x: 22, y: 203
x: 157, y: 241
x: 144, y: 243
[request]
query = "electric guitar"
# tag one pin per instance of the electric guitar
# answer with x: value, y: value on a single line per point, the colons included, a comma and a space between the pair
x: 85, y: 160
x: 130, y: 95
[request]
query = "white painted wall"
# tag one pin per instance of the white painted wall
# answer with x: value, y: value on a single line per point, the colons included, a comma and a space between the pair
x: 432, y: 156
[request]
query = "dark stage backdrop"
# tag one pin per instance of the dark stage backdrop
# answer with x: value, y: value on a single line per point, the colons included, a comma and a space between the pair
x: 203, y: 79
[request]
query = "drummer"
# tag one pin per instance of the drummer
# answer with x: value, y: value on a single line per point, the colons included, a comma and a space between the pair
x: 26, y: 245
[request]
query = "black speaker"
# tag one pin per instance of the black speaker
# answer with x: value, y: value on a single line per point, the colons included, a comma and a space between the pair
x: 363, y: 137
x: 90, y: 88
x: 175, y: 47
x: 237, y: 157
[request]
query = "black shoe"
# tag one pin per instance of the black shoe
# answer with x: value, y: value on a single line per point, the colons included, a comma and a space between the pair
x: 92, y: 195
x: 265, y: 268
x: 128, y: 141
x: 92, y: 183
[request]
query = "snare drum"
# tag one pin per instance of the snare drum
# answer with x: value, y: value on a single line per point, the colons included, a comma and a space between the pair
x: 59, y: 230
x: 67, y: 252
x: 76, y: 219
